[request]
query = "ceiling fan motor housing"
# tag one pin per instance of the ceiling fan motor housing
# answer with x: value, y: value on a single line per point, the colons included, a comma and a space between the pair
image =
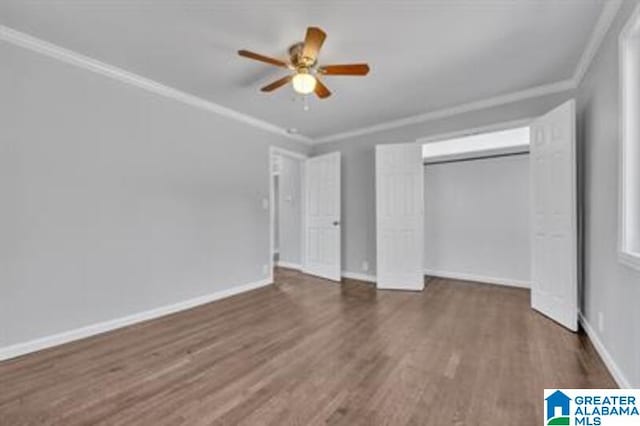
x: 299, y: 61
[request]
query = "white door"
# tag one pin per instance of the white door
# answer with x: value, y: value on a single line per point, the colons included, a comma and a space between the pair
x: 399, y: 217
x: 554, y: 276
x: 322, y: 217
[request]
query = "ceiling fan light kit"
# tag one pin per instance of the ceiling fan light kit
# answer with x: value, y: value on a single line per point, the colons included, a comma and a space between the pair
x: 303, y: 61
x: 304, y: 82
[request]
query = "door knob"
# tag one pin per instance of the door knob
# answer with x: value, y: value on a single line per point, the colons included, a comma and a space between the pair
x: 336, y: 222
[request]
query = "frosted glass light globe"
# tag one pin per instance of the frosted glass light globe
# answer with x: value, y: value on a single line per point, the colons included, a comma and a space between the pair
x: 304, y: 83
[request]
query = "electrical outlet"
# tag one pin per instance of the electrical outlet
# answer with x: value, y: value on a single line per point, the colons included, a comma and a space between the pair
x: 265, y: 269
x: 265, y: 204
x: 600, y: 322
x: 365, y: 265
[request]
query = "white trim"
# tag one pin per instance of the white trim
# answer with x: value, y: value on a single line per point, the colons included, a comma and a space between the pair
x: 344, y: 274
x: 288, y: 153
x: 303, y: 213
x: 396, y: 287
x: 272, y: 213
x: 506, y: 125
x: 105, y: 326
x: 629, y: 259
x: 478, y: 278
x: 535, y: 92
x: 302, y: 159
x: 358, y: 276
x: 68, y: 56
x: 498, y: 127
x: 607, y: 16
x: 289, y: 265
x: 625, y: 255
x: 606, y: 357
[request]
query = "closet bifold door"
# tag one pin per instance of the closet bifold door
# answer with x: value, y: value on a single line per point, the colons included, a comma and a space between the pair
x: 399, y: 217
x: 554, y: 238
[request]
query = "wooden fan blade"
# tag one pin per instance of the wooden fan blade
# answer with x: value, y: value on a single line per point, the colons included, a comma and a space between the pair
x: 345, y: 69
x: 262, y: 58
x: 313, y: 42
x: 321, y: 90
x: 278, y: 83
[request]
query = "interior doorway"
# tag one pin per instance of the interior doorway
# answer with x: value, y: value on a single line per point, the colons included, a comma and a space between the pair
x: 305, y: 213
x: 287, y: 208
x: 477, y: 206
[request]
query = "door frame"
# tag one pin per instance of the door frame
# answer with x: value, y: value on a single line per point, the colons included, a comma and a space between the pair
x: 471, y: 131
x: 301, y: 158
x: 491, y: 128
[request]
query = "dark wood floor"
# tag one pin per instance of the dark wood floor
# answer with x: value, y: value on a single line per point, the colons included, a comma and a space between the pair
x: 306, y: 352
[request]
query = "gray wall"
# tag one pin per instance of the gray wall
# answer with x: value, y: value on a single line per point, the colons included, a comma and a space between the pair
x: 358, y: 175
x: 477, y: 219
x: 290, y: 210
x: 116, y: 200
x: 610, y: 288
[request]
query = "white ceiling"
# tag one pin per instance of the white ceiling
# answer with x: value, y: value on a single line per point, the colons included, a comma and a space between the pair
x: 424, y: 55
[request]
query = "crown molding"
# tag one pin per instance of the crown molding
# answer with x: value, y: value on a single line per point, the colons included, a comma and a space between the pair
x: 74, y: 58
x: 607, y: 16
x: 534, y: 92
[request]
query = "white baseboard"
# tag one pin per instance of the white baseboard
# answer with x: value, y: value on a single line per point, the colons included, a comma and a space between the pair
x: 451, y: 275
x: 344, y: 274
x: 400, y: 288
x: 359, y: 276
x: 102, y: 327
x: 478, y: 278
x: 289, y: 265
x: 608, y: 360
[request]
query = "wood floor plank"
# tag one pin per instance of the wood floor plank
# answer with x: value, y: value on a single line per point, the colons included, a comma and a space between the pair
x: 306, y: 351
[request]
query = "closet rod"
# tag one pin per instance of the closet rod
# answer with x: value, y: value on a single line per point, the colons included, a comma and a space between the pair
x: 485, y: 157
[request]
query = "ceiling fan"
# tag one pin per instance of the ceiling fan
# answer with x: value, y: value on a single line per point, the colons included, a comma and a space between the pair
x: 303, y: 61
